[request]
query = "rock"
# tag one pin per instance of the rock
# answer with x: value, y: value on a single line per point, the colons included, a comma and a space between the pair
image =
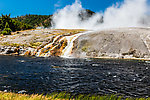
x: 22, y: 91
x: 17, y: 51
x: 9, y: 51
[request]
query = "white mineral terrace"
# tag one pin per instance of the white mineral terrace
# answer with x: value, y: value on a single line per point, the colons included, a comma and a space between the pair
x: 66, y: 53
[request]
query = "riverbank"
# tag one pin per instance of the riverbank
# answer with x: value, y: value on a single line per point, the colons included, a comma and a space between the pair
x: 61, y: 96
x: 142, y: 59
x: 39, y: 43
x: 122, y: 43
x: 15, y: 96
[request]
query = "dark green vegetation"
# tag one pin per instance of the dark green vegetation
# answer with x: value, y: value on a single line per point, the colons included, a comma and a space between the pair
x: 8, y: 25
x: 36, y: 20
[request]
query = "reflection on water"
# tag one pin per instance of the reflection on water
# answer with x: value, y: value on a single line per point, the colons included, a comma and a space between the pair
x: 97, y: 76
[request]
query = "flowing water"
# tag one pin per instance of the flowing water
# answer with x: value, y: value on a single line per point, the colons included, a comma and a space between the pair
x: 66, y: 53
x: 95, y: 76
x: 58, y: 45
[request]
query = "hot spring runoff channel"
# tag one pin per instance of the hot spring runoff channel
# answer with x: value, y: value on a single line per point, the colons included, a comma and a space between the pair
x: 94, y: 76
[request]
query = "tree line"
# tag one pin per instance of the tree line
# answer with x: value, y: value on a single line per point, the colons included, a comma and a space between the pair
x: 36, y: 20
x: 8, y: 25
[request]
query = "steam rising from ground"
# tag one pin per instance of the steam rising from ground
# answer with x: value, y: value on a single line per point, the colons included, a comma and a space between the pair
x: 130, y: 13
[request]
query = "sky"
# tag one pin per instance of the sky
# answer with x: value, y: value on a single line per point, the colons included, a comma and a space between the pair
x: 48, y: 7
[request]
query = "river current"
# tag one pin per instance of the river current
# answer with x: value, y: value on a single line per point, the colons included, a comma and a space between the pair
x: 94, y: 76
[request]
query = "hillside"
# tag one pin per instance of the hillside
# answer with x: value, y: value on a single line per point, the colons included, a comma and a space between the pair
x: 46, y: 20
x: 36, y: 20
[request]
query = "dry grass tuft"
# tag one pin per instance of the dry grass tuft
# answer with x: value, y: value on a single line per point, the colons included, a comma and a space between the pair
x: 62, y: 96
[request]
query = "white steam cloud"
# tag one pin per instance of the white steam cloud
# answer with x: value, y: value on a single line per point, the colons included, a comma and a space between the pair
x: 130, y: 13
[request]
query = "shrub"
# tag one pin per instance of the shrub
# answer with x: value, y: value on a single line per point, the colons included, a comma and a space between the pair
x: 4, y: 32
x: 7, y: 31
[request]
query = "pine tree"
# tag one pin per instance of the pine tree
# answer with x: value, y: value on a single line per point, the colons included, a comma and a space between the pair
x: 7, y: 30
x: 8, y: 25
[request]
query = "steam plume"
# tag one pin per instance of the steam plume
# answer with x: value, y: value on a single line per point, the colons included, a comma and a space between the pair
x: 127, y: 14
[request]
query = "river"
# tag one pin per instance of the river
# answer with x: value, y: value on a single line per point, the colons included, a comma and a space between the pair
x: 94, y: 76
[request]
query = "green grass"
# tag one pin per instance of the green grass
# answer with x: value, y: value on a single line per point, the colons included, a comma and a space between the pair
x: 62, y: 96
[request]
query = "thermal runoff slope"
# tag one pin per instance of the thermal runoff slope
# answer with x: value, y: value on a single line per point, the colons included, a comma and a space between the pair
x: 133, y: 42
x: 40, y: 43
x: 114, y: 43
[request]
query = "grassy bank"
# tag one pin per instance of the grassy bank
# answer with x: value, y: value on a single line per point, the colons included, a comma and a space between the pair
x: 61, y: 96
